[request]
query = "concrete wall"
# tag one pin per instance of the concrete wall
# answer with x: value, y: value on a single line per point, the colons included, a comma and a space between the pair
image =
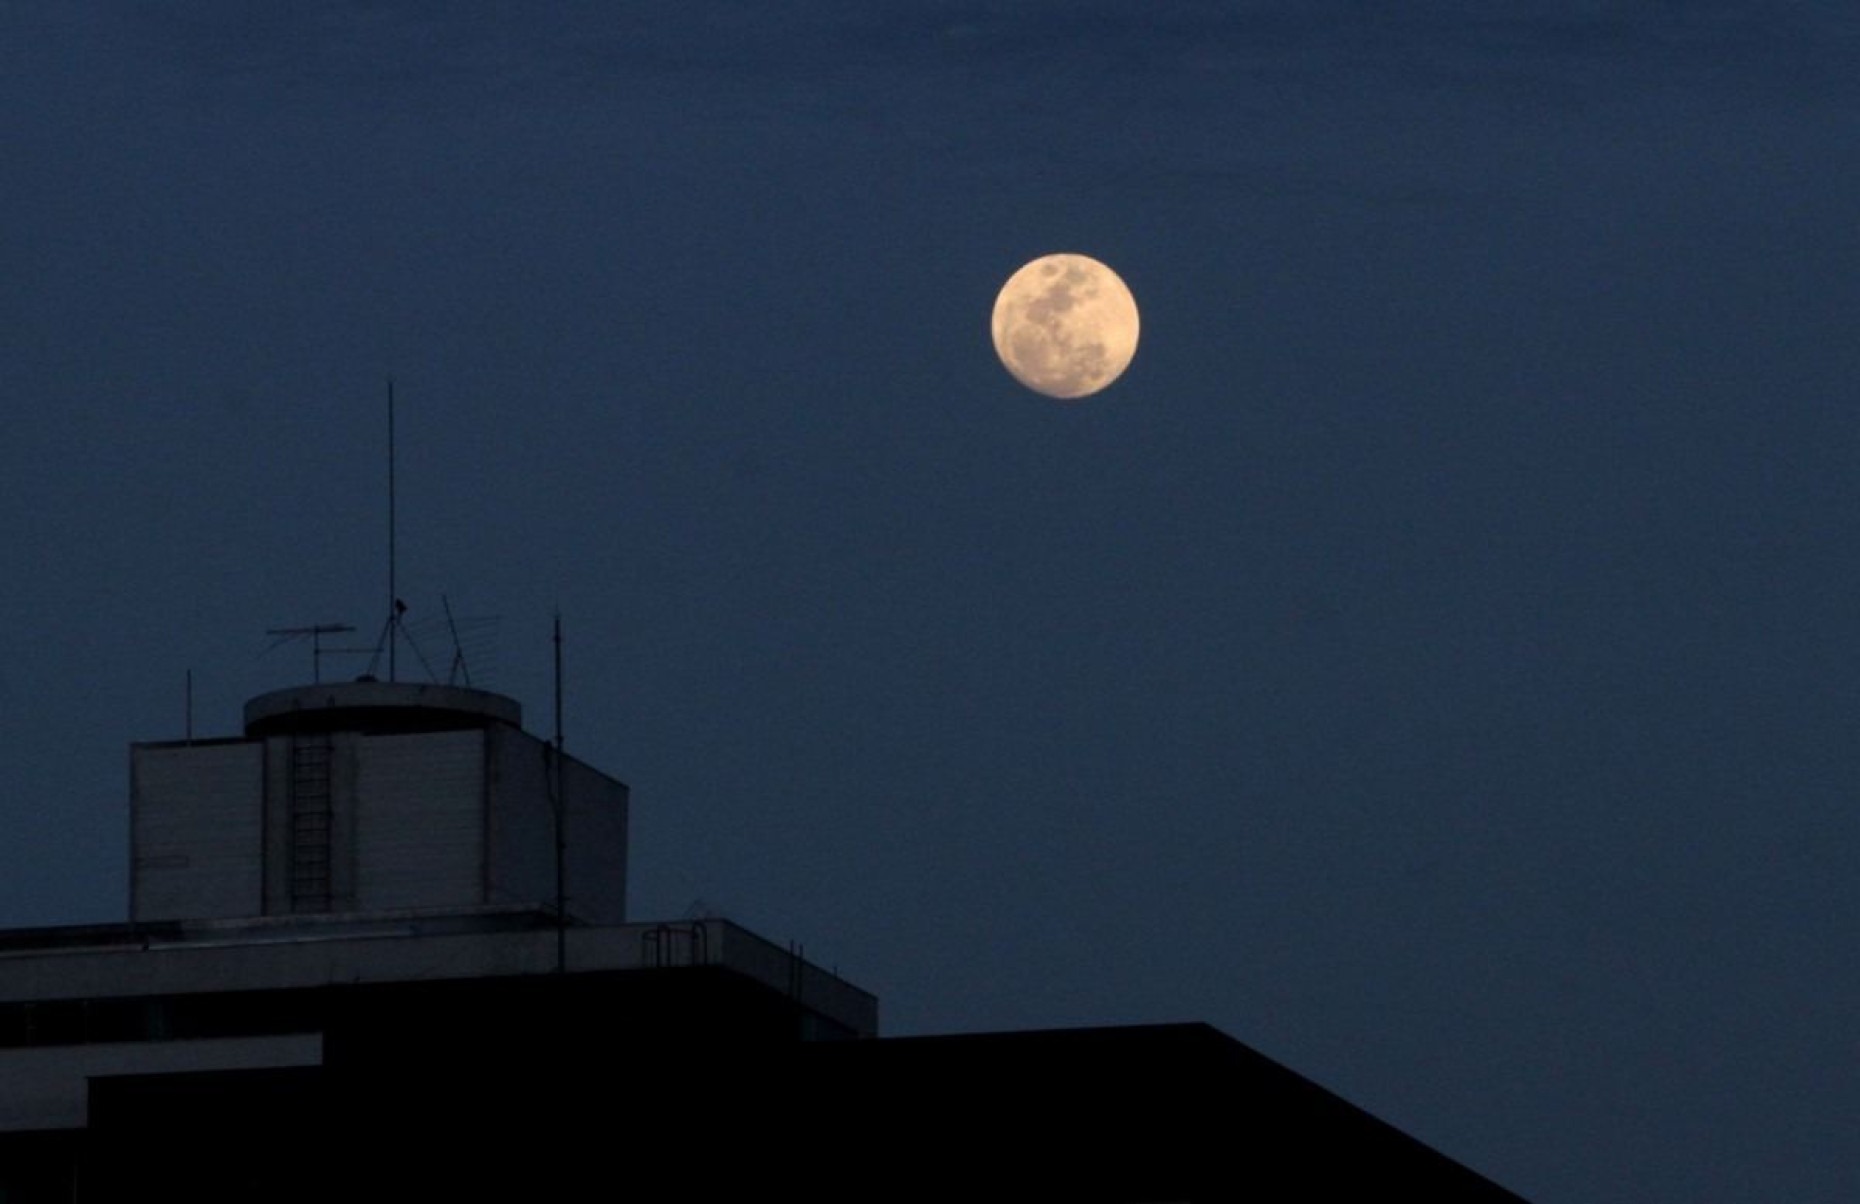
x: 425, y: 820
x: 522, y: 831
x: 521, y: 821
x: 597, y: 844
x: 420, y: 820
x: 196, y: 820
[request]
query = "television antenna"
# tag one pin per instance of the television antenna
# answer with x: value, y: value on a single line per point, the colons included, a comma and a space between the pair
x: 458, y: 667
x: 314, y: 633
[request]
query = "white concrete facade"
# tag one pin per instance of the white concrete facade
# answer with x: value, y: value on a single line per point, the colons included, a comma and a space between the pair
x: 349, y: 814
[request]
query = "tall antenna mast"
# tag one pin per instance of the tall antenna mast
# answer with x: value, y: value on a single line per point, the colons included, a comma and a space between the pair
x: 561, y: 816
x: 393, y: 599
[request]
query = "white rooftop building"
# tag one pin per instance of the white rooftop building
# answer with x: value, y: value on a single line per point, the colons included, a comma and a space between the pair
x: 369, y: 797
x: 366, y: 835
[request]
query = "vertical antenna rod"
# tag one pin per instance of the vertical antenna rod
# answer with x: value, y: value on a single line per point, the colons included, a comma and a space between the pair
x: 561, y: 816
x: 393, y: 597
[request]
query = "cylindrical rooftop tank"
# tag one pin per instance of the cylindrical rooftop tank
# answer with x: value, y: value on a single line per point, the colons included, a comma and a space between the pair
x: 376, y: 708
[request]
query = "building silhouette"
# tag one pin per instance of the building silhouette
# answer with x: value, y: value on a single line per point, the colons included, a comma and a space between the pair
x: 378, y: 944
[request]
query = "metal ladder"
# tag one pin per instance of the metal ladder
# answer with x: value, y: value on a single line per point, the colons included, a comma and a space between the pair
x: 311, y: 813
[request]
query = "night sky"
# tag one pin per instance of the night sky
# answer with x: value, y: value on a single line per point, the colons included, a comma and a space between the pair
x: 1433, y: 662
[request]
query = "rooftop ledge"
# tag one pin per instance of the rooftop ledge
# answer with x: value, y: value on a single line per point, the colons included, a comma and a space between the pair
x: 377, y: 708
x: 286, y: 952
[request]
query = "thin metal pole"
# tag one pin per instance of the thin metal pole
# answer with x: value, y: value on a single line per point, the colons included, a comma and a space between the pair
x: 393, y: 595
x: 561, y: 817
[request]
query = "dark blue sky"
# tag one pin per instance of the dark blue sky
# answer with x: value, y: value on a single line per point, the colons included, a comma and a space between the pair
x: 1433, y: 662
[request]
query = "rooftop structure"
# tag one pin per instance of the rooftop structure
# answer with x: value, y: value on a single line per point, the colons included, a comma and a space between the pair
x: 379, y: 943
x: 367, y: 797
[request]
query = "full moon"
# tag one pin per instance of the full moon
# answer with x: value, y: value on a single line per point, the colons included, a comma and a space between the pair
x: 1065, y: 326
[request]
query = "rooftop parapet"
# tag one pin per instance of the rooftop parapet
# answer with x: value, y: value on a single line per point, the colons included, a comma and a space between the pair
x: 377, y: 708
